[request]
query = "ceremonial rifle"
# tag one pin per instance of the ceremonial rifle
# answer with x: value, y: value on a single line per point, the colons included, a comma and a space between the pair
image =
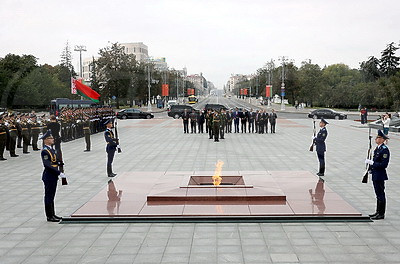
x: 116, y: 136
x: 312, y: 143
x: 369, y: 154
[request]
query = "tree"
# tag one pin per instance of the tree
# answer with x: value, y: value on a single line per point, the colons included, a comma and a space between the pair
x: 13, y: 68
x: 389, y: 61
x: 115, y: 72
x: 310, y: 83
x: 65, y: 68
x: 370, y: 69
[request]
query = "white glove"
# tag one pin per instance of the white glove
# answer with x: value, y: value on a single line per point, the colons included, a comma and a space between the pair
x: 62, y: 175
x: 313, y: 137
x: 368, y: 161
x: 118, y: 146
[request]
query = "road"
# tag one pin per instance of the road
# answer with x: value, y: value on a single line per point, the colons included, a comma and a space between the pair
x: 232, y: 103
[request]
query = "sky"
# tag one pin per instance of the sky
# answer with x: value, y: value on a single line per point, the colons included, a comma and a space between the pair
x: 217, y: 38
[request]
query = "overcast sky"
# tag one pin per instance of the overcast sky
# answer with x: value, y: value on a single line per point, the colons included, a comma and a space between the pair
x: 217, y: 38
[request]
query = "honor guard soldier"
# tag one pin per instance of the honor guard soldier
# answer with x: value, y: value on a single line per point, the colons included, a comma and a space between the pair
x: 377, y: 167
x: 320, y: 146
x: 3, y: 138
x: 13, y: 136
x: 50, y: 175
x: 86, y: 131
x: 111, y: 146
x: 25, y: 135
x: 35, y: 130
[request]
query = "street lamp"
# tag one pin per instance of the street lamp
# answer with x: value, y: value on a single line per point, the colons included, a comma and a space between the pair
x: 283, y: 59
x: 149, y: 86
x: 80, y: 48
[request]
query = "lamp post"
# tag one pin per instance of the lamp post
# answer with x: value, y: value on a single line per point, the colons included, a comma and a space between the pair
x: 283, y: 59
x: 80, y: 48
x: 148, y: 86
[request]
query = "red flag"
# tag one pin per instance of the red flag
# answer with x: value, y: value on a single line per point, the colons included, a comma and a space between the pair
x: 165, y: 90
x: 86, y: 91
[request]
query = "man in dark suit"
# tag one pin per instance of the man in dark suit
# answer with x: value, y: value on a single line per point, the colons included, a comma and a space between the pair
x: 235, y: 117
x: 320, y: 146
x: 378, y: 166
x: 272, y: 120
x: 252, y: 116
x: 185, y: 118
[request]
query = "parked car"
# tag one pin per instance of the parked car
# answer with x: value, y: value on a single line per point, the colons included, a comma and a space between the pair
x: 176, y: 111
x: 133, y: 113
x: 326, y: 113
x: 217, y: 107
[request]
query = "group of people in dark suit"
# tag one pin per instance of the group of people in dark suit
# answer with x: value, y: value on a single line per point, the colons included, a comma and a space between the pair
x: 243, y: 121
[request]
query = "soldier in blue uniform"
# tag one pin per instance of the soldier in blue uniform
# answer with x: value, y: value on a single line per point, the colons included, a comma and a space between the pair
x: 50, y: 175
x: 377, y: 167
x: 319, y: 142
x: 111, y: 146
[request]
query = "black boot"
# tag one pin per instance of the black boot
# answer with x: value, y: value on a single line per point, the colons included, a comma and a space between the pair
x: 54, y: 212
x: 49, y: 213
x: 381, y: 211
x: 321, y: 171
x: 109, y: 171
x: 377, y: 209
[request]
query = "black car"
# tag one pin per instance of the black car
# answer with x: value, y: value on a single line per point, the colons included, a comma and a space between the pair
x: 217, y: 107
x: 327, y: 113
x: 176, y: 111
x: 133, y: 113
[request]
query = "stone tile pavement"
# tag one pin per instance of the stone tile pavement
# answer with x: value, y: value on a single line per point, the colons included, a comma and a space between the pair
x: 160, y: 145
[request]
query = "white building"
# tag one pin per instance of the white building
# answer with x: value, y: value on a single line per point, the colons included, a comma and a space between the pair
x: 140, y: 50
x: 199, y: 82
x: 234, y: 80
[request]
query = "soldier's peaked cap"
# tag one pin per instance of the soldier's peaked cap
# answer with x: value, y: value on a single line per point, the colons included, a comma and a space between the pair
x: 109, y: 121
x: 324, y: 121
x: 46, y: 135
x: 382, y: 135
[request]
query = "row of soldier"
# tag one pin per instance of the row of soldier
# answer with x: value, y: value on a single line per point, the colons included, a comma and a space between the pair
x: 217, y: 123
x: 23, y: 130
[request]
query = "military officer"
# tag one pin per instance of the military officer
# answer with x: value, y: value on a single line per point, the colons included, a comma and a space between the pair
x: 378, y: 166
x: 223, y: 121
x: 111, y: 146
x: 320, y: 146
x: 86, y: 131
x: 216, y: 121
x: 209, y: 120
x: 50, y: 176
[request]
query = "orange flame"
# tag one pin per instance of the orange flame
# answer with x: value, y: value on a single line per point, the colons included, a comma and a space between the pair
x: 217, y: 179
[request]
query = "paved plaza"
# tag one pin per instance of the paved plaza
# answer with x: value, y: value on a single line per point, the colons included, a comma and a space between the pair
x: 159, y: 145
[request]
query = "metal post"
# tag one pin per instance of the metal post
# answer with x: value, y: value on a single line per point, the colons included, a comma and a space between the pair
x: 80, y: 48
x: 283, y: 58
x: 149, y: 86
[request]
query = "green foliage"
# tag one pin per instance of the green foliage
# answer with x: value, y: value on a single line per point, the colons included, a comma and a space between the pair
x: 389, y: 61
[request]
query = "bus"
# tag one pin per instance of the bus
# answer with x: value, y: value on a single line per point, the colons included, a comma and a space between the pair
x: 192, y: 99
x: 57, y: 104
